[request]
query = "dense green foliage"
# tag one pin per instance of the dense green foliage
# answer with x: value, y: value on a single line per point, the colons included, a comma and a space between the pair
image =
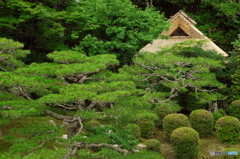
x: 173, y: 121
x: 11, y: 54
x: 134, y: 130
x: 228, y: 129
x: 202, y: 121
x: 147, y: 128
x: 234, y: 109
x: 153, y: 145
x: 162, y: 110
x: 93, y: 26
x: 170, y: 65
x: 122, y: 29
x: 110, y: 135
x: 216, y: 116
x: 185, y: 141
x: 78, y: 61
x: 236, y: 76
x: 221, y: 111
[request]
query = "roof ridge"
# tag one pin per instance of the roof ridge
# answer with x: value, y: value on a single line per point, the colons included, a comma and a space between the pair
x: 184, y: 15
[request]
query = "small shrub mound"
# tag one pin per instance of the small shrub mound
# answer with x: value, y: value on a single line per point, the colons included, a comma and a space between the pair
x: 234, y: 109
x: 147, y: 128
x: 89, y: 126
x: 216, y: 116
x: 232, y: 154
x: 163, y: 110
x: 134, y: 130
x: 202, y: 121
x: 173, y: 121
x: 153, y: 145
x: 185, y: 142
x: 228, y: 129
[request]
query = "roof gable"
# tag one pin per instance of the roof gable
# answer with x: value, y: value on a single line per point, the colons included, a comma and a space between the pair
x: 184, y: 16
x: 182, y: 28
x: 179, y: 32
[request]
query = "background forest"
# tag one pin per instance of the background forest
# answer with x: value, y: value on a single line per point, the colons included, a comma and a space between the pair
x: 72, y: 69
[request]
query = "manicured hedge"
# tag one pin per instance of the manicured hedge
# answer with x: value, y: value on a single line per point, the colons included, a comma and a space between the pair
x: 202, y: 121
x: 147, y: 128
x: 173, y: 121
x: 228, y: 129
x: 185, y: 142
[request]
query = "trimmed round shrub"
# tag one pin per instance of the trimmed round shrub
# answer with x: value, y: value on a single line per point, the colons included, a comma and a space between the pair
x: 173, y: 121
x: 228, y: 129
x: 134, y: 130
x: 153, y: 145
x: 232, y: 155
x: 234, y: 109
x: 216, y: 116
x: 147, y: 128
x: 163, y: 110
x: 202, y: 121
x: 185, y: 142
x: 89, y: 126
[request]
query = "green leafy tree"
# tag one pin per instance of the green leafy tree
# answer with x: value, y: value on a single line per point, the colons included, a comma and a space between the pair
x: 235, y: 77
x: 168, y: 74
x: 69, y: 82
x: 116, y: 27
x: 231, y: 8
x: 37, y: 24
x: 234, y: 109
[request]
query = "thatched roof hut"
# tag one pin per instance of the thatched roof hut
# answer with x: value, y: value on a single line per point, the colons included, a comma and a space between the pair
x: 182, y: 29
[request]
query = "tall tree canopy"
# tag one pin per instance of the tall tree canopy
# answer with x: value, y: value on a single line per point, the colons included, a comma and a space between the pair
x: 236, y: 76
x: 116, y: 27
x: 175, y: 71
x: 93, y: 26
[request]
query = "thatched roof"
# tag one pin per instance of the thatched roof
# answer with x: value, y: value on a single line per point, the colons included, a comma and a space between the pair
x: 182, y: 29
